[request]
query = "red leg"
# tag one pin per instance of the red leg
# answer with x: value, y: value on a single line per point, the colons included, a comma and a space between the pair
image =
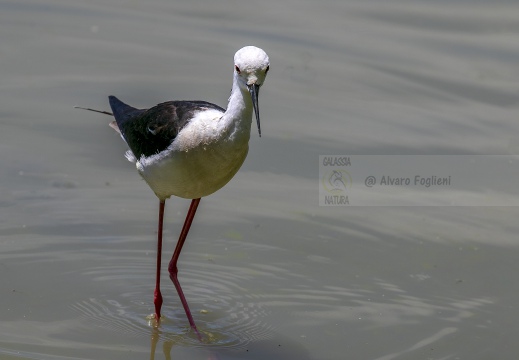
x: 172, y: 268
x: 157, y: 300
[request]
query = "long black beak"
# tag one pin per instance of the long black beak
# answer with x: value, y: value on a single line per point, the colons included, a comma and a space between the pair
x: 254, y: 91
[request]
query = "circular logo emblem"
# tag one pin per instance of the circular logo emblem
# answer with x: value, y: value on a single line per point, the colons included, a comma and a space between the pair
x: 336, y: 181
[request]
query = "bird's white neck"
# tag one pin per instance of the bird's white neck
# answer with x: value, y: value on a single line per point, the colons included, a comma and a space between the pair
x: 238, y: 116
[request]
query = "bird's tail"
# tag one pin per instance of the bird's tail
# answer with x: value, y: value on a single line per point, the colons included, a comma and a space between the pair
x: 122, y: 112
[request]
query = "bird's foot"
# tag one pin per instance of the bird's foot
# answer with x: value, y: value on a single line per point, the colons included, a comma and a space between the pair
x: 153, y: 320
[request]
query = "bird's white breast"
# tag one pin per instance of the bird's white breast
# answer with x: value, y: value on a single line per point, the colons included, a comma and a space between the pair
x: 201, y: 159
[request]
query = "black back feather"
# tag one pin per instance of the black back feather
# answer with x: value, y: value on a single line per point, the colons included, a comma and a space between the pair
x: 148, y: 132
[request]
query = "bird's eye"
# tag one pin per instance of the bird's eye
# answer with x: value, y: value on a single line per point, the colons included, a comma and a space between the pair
x: 237, y: 69
x: 267, y: 69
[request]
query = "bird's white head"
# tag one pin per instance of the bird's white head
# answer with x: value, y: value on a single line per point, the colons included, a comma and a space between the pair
x: 251, y: 65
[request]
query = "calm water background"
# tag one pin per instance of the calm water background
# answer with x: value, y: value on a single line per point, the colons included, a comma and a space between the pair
x: 268, y: 273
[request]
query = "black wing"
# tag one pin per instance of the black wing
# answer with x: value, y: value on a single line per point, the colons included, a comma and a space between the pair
x: 148, y: 132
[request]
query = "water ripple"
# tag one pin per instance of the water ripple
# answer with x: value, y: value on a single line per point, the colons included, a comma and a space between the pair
x: 226, y: 314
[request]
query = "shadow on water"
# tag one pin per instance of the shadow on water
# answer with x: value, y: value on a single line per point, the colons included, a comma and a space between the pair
x: 281, y: 348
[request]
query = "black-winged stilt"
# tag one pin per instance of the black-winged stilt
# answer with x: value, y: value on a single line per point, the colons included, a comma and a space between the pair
x: 191, y: 149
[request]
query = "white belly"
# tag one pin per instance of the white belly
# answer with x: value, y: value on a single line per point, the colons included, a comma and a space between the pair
x: 195, y: 173
x: 204, y: 157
